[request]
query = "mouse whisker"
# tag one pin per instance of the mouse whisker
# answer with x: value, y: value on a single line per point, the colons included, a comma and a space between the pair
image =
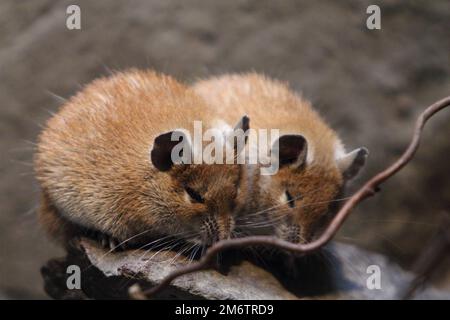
x: 185, y: 249
x: 268, y: 221
x: 149, y: 259
x: 155, y: 243
x: 324, y: 202
x: 273, y: 207
x: 193, y: 253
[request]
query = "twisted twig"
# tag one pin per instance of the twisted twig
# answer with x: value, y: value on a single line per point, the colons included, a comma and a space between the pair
x: 367, y: 190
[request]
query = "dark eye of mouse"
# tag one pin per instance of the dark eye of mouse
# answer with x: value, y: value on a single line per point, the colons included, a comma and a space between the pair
x: 194, y: 195
x: 290, y: 199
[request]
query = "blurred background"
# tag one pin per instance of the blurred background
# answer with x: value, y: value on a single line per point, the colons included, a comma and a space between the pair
x: 368, y: 84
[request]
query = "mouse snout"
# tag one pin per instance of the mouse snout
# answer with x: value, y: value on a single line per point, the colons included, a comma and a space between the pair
x: 226, y: 226
x: 217, y: 228
x: 294, y: 234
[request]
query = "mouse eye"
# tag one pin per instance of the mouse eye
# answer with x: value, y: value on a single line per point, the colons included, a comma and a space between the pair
x: 290, y: 199
x: 195, y: 196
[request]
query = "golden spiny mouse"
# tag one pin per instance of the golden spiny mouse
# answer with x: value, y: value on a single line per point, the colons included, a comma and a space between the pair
x: 104, y: 165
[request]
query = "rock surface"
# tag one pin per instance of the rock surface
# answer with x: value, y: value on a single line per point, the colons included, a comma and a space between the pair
x: 109, y: 275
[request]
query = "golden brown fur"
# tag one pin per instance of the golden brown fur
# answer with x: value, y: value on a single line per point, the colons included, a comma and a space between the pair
x: 93, y: 163
x: 272, y: 105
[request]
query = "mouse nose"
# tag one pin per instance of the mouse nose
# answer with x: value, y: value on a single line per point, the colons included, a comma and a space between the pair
x: 218, y: 228
x: 226, y: 226
x: 293, y: 234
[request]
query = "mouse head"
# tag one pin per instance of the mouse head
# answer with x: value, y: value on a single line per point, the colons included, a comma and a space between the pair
x: 302, y: 196
x: 202, y: 195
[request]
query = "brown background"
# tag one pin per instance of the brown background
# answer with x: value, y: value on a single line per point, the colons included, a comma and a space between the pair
x: 369, y: 85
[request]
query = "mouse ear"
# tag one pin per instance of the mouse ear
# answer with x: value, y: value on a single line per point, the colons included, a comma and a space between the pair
x: 243, y: 124
x: 173, y: 147
x: 351, y: 163
x: 241, y: 129
x: 291, y: 149
x: 239, y: 135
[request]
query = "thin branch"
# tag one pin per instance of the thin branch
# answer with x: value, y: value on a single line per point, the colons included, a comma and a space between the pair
x: 367, y: 190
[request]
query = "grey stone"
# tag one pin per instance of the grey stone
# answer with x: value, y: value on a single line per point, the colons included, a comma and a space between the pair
x: 110, y: 275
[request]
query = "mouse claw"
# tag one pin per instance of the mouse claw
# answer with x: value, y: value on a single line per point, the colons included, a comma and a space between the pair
x: 113, y: 244
x: 109, y: 242
x: 104, y: 241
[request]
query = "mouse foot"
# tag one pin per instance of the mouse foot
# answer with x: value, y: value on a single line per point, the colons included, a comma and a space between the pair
x: 109, y: 242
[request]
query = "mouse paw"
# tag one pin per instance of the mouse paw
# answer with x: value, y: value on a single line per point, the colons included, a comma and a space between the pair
x: 109, y: 242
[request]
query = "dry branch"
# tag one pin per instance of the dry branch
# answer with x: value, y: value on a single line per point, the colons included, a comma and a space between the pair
x: 367, y: 190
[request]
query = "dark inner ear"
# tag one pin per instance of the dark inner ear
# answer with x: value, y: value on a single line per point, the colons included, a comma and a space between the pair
x: 292, y: 149
x: 243, y: 124
x: 357, y: 164
x: 162, y: 151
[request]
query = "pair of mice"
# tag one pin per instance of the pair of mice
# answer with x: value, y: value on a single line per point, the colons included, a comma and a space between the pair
x: 104, y: 162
